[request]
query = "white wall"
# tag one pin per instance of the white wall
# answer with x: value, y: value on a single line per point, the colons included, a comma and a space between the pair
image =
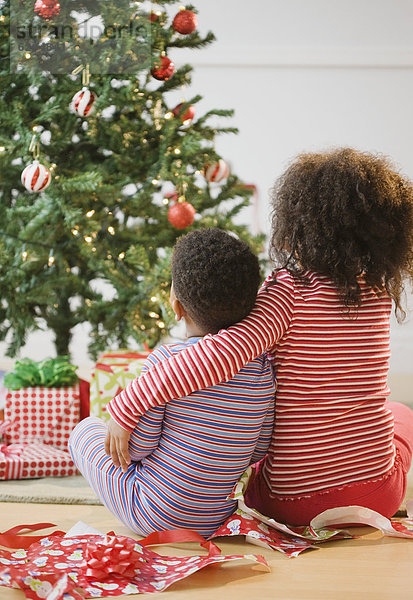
x: 303, y: 75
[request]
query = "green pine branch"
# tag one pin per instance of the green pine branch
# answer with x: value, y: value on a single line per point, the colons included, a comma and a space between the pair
x: 94, y: 247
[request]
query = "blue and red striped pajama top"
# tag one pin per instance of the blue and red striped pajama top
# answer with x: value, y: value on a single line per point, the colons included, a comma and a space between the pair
x: 187, y: 454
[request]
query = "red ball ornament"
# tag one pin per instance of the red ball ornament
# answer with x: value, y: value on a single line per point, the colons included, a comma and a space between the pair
x: 188, y: 115
x: 181, y: 215
x: 185, y: 22
x: 164, y: 69
x: 35, y: 177
x: 83, y: 102
x: 217, y: 171
x: 47, y: 9
x: 154, y: 16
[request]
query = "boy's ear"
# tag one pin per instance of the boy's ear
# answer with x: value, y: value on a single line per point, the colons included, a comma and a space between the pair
x: 178, y: 309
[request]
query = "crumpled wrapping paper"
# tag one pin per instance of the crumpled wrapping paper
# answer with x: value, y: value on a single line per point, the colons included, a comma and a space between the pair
x: 89, y: 566
x: 92, y: 565
x: 268, y: 533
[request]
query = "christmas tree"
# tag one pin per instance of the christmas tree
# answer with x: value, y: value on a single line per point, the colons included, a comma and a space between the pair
x: 112, y: 172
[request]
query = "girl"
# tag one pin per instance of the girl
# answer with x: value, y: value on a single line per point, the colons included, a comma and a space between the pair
x: 342, y: 229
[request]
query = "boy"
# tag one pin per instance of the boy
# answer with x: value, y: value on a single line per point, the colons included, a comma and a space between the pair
x: 187, y: 455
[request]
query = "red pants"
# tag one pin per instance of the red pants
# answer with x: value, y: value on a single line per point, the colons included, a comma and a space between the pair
x: 383, y: 495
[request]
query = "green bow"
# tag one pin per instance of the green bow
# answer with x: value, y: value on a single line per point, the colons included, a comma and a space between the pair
x: 51, y: 372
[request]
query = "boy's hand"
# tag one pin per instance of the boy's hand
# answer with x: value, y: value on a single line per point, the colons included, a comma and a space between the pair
x: 116, y: 445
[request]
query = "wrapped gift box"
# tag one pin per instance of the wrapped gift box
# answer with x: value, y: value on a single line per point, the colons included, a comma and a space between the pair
x: 28, y: 461
x: 5, y: 426
x: 112, y: 373
x: 42, y: 414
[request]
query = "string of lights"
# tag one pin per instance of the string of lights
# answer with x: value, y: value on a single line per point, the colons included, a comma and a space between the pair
x: 118, y: 260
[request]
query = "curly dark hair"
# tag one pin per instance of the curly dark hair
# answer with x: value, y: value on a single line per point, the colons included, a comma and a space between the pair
x: 215, y: 277
x: 345, y: 214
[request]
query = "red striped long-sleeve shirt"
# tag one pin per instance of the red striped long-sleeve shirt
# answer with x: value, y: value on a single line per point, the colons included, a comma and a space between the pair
x: 331, y: 425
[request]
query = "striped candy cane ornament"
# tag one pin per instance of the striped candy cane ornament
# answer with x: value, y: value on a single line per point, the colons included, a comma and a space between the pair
x: 35, y: 177
x: 217, y: 171
x: 83, y: 102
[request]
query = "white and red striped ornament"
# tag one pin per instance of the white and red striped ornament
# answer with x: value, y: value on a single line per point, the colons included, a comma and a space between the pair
x: 36, y: 177
x: 83, y: 102
x: 217, y: 171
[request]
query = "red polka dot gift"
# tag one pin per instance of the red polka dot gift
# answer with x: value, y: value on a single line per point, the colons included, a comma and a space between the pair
x: 29, y: 461
x: 42, y: 403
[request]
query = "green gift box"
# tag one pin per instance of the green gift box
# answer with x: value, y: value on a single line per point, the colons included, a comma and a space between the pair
x: 112, y: 373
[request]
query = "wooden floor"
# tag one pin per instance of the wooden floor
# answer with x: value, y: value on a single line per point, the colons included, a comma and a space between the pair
x: 371, y: 567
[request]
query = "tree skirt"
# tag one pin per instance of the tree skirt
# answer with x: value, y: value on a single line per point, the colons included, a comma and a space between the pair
x: 49, y: 490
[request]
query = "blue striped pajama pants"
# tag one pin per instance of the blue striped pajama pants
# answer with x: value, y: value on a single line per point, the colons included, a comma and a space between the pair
x: 122, y: 493
x: 115, y: 489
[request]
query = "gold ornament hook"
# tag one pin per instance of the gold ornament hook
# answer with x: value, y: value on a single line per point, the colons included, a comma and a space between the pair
x: 85, y: 73
x: 35, y: 147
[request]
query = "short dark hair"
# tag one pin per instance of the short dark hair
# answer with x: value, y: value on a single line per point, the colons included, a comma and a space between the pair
x: 345, y: 214
x: 215, y: 277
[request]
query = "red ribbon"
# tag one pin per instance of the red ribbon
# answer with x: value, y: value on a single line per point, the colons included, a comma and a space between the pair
x: 177, y: 536
x: 109, y: 556
x: 128, y: 356
x: 118, y: 555
x: 12, y: 539
x: 12, y: 450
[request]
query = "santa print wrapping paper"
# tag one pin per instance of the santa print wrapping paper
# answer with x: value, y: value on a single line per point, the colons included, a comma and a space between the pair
x: 291, y: 540
x: 112, y: 373
x: 260, y: 534
x: 27, y: 461
x: 86, y: 564
x: 42, y: 414
x: 66, y: 568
